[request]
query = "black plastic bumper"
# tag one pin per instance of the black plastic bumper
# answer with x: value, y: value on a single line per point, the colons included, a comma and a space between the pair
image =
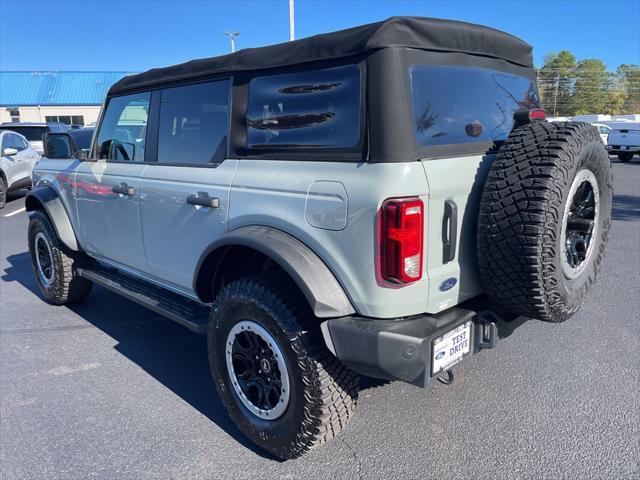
x: 402, y: 349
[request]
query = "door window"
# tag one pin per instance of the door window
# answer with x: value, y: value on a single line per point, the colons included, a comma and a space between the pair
x: 16, y: 142
x: 316, y: 108
x: 124, y: 128
x: 194, y: 124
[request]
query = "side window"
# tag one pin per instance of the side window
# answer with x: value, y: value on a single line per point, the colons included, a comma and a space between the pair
x: 124, y: 128
x: 194, y: 123
x: 10, y: 141
x: 19, y: 143
x: 453, y: 105
x: 316, y: 108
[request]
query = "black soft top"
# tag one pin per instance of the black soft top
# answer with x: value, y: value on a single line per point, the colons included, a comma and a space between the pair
x: 429, y: 34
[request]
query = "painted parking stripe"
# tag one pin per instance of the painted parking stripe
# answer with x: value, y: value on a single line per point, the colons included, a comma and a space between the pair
x: 16, y: 212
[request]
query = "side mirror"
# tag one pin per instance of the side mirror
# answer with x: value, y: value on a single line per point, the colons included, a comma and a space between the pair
x: 9, y: 152
x: 59, y: 145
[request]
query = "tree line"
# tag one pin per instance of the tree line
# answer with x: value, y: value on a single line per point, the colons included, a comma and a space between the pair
x: 569, y: 87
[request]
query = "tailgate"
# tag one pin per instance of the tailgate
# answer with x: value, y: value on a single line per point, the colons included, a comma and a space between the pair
x: 455, y: 186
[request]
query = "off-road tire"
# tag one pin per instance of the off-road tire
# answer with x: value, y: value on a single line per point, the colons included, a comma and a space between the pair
x: 67, y: 287
x: 323, y: 392
x: 3, y: 192
x: 625, y: 157
x: 520, y: 246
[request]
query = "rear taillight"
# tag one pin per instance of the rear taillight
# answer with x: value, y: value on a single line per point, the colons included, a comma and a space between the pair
x: 401, y: 239
x: 522, y: 117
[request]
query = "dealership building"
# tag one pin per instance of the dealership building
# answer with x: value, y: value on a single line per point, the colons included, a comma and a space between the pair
x: 68, y: 97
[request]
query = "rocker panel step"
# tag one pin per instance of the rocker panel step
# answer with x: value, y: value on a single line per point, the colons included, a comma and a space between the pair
x: 191, y: 314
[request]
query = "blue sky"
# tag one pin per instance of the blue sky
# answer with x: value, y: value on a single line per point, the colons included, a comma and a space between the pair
x: 133, y: 35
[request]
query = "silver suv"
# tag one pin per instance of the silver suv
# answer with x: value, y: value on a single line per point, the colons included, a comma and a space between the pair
x: 376, y: 201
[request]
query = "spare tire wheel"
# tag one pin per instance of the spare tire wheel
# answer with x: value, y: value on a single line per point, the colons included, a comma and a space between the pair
x: 544, y: 219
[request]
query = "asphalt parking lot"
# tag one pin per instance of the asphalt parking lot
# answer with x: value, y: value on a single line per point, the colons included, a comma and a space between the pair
x: 107, y: 389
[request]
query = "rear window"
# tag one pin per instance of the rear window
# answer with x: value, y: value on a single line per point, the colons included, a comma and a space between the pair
x: 32, y: 134
x: 315, y: 108
x: 453, y: 105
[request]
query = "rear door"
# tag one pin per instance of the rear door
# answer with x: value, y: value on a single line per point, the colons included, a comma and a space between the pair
x: 107, y: 188
x: 185, y: 191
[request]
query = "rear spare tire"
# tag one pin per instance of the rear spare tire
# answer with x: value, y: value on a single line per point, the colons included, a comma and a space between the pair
x: 544, y: 219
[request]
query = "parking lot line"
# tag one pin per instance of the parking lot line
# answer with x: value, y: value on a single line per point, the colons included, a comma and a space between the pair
x: 16, y: 212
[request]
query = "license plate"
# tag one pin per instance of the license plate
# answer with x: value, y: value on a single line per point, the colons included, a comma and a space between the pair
x: 451, y: 347
x: 623, y: 147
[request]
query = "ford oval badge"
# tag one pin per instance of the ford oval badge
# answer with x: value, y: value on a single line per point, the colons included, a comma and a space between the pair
x: 439, y: 355
x: 448, y: 284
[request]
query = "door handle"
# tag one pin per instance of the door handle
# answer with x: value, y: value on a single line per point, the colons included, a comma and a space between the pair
x: 203, y: 201
x: 124, y: 189
x: 449, y: 231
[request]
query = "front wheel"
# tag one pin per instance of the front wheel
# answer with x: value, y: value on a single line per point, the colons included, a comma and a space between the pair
x: 625, y: 157
x: 54, y: 266
x: 281, y: 386
x: 3, y: 192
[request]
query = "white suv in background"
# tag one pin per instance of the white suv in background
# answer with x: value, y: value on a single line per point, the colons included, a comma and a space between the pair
x: 16, y: 163
x: 604, y: 131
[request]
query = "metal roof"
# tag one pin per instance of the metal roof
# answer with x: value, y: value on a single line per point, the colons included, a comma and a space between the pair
x: 55, y: 88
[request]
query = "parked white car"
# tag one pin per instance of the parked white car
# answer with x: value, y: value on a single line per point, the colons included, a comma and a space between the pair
x: 16, y: 163
x: 604, y: 131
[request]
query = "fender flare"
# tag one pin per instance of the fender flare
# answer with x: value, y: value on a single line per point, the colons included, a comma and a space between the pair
x: 318, y: 285
x: 47, y: 199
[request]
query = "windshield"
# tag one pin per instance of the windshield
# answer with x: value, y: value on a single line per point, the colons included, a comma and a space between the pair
x: 33, y: 134
x: 462, y: 104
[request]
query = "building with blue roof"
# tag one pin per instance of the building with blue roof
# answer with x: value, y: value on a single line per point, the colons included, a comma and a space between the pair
x: 68, y: 97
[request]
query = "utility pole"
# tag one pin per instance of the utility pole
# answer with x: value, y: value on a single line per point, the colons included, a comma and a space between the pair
x: 232, y: 37
x: 291, y: 26
x: 555, y: 97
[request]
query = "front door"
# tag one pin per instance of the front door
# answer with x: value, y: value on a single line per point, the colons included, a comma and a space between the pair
x: 185, y: 192
x: 107, y: 188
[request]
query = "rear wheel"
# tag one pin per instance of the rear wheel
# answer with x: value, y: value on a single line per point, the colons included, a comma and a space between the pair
x: 544, y: 219
x: 281, y: 386
x: 54, y: 266
x: 625, y: 157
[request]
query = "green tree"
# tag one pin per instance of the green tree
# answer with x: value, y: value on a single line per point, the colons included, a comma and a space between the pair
x: 590, y: 89
x: 555, y: 80
x: 629, y: 83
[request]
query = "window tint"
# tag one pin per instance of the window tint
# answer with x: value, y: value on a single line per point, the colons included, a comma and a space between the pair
x: 124, y: 127
x: 462, y: 104
x: 194, y: 121
x: 17, y: 142
x: 318, y: 108
x: 7, y: 141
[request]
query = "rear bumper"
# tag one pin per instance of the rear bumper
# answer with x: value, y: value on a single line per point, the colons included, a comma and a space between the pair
x: 402, y: 349
x: 615, y: 149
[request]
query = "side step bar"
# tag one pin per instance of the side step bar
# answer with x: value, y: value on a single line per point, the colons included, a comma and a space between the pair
x: 191, y: 314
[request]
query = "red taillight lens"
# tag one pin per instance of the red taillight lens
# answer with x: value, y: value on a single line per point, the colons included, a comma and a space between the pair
x: 401, y: 239
x: 537, y: 114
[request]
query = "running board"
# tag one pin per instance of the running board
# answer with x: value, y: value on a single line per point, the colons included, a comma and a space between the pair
x: 191, y: 314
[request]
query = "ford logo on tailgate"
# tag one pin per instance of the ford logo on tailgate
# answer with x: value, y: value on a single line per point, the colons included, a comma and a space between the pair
x: 448, y: 284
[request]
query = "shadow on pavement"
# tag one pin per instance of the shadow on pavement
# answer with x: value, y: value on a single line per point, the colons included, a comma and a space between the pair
x: 171, y: 354
x: 168, y: 352
x: 626, y: 207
